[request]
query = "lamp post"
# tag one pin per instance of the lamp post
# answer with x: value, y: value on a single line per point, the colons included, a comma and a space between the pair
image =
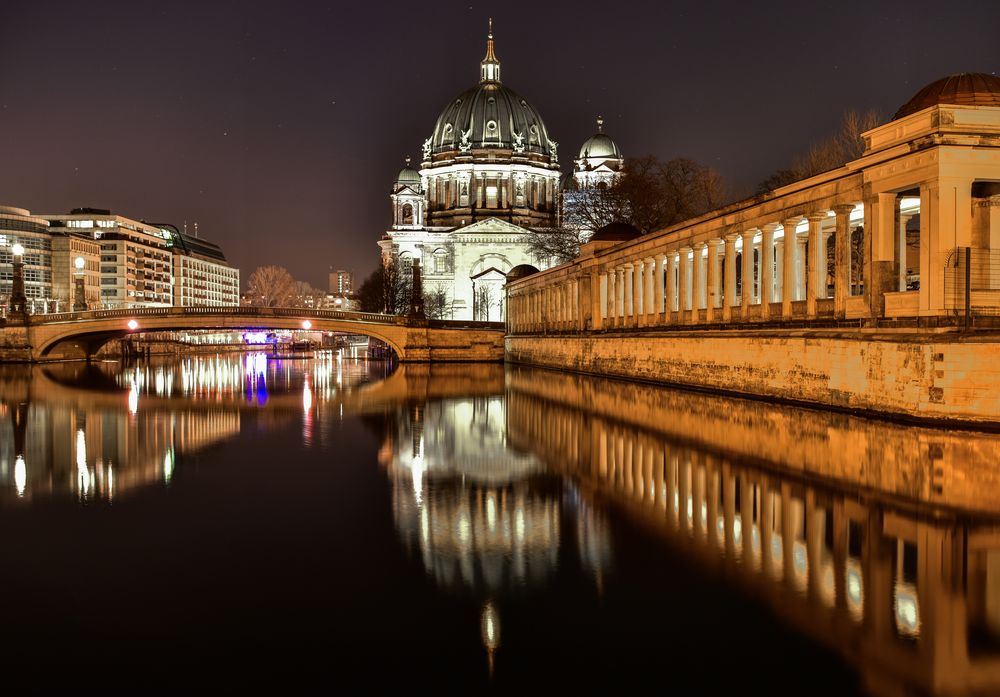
x: 79, y: 297
x: 18, y: 300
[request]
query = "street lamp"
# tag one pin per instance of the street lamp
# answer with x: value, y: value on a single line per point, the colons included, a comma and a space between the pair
x: 79, y: 297
x: 307, y: 325
x: 18, y: 300
x: 132, y: 325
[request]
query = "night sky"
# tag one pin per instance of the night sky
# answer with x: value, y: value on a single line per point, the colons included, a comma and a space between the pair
x: 279, y: 127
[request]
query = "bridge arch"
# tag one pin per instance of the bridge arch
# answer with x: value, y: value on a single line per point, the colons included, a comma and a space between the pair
x: 82, y: 334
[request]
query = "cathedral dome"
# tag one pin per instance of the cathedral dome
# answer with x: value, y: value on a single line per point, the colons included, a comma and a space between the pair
x: 408, y: 176
x: 600, y: 145
x: 962, y: 89
x: 490, y: 116
x: 616, y: 232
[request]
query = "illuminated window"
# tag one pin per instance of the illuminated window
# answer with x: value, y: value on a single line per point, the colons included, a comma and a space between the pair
x: 491, y: 197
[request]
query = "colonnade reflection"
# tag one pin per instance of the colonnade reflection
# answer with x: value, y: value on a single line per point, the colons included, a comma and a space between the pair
x: 904, y: 587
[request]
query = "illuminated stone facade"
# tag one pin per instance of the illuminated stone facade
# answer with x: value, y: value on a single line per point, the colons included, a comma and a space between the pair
x: 489, y: 174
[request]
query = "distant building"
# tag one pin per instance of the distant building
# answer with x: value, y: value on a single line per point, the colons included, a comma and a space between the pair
x: 49, y: 256
x: 201, y: 274
x: 341, y: 283
x: 136, y: 259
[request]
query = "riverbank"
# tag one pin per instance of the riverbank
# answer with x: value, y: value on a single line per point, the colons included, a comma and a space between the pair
x: 931, y: 376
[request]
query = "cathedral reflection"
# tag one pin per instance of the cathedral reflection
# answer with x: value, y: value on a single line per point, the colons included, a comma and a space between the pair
x: 482, y: 516
x: 907, y: 589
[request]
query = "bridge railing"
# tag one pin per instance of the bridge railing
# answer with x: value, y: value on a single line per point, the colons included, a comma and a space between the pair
x: 258, y: 313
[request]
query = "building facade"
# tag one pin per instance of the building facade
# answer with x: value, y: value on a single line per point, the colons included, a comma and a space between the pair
x: 489, y: 179
x: 201, y: 275
x: 341, y: 283
x: 136, y: 259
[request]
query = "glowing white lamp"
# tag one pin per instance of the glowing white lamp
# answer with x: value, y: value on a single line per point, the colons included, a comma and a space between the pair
x: 78, y: 263
x: 132, y: 325
x: 307, y: 325
x: 18, y: 250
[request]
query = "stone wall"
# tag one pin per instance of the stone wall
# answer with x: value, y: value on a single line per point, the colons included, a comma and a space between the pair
x: 928, y: 376
x: 14, y: 346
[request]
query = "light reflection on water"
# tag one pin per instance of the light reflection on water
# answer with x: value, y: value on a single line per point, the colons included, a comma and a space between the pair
x: 879, y: 541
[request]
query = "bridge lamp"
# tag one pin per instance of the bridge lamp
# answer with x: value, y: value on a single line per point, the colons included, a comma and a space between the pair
x: 18, y: 250
x: 132, y: 325
x: 307, y: 325
x: 79, y: 296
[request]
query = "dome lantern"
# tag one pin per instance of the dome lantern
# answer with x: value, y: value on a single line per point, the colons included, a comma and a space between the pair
x: 489, y: 68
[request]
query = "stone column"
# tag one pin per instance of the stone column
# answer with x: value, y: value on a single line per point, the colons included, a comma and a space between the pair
x: 658, y: 301
x: 671, y: 302
x: 747, y: 272
x: 815, y: 247
x: 842, y: 259
x: 730, y: 294
x: 610, y: 294
x: 594, y: 298
x: 647, y: 291
x: 714, y: 290
x: 767, y: 269
x: 683, y: 292
x: 628, y: 299
x: 698, y: 281
x: 901, y: 250
x: 620, y: 297
x: 637, y: 310
x: 788, y: 272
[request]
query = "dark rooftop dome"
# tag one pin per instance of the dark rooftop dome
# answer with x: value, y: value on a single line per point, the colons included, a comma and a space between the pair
x: 616, y: 232
x: 962, y: 89
x: 521, y: 271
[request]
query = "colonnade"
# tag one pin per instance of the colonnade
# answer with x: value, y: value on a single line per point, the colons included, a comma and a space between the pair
x: 772, y: 271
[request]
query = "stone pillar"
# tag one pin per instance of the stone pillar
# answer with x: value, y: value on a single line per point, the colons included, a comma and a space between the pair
x: 671, y: 302
x: 648, y: 309
x: 714, y: 287
x: 747, y: 271
x: 590, y: 302
x: 658, y: 300
x: 842, y: 259
x: 611, y: 292
x: 698, y: 281
x: 788, y: 272
x: 637, y: 310
x: 767, y: 269
x: 684, y: 283
x: 815, y: 249
x: 730, y: 292
x: 628, y: 299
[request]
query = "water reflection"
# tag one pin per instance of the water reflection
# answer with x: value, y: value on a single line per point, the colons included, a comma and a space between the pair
x: 513, y: 488
x: 97, y: 431
x: 806, y: 513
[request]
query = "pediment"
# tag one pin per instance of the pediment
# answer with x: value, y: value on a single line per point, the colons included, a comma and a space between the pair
x: 491, y: 226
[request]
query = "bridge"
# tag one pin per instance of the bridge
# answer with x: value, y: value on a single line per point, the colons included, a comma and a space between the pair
x: 80, y: 335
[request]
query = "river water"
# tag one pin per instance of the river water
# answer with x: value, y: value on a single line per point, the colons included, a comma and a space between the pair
x: 238, y: 521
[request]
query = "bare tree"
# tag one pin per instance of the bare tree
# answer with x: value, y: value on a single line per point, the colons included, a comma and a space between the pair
x: 556, y: 245
x: 842, y: 147
x: 386, y: 289
x: 271, y: 286
x: 436, y: 305
x: 650, y: 194
x: 484, y: 300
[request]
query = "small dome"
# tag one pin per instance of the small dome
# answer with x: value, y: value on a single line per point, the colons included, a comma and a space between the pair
x: 963, y: 89
x: 616, y: 232
x: 520, y: 271
x: 600, y: 145
x: 408, y: 175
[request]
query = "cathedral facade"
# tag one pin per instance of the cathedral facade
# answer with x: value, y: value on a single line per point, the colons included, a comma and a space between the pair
x: 489, y: 176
